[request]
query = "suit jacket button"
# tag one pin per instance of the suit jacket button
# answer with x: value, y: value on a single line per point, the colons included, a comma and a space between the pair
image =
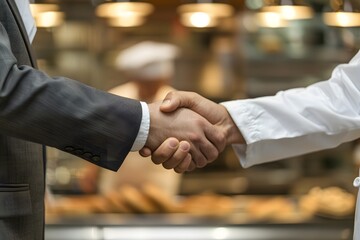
x: 69, y: 149
x: 78, y: 151
x: 87, y: 155
x: 95, y: 158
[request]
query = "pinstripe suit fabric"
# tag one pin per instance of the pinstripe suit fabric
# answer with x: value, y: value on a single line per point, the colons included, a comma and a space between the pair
x: 36, y: 109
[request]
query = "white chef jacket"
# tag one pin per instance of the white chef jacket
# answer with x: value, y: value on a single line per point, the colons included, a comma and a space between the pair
x: 301, y: 120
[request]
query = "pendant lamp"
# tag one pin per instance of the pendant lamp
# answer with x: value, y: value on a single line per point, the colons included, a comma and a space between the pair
x: 343, y: 14
x: 204, y: 14
x: 289, y: 10
x: 47, y: 15
x: 124, y: 13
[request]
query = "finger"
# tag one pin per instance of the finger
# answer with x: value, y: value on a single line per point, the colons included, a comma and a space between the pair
x: 193, y: 101
x: 165, y: 151
x: 177, y: 99
x: 210, y: 152
x: 203, y: 151
x: 192, y: 166
x: 184, y: 165
x: 145, y: 152
x: 198, y: 157
x: 216, y: 137
x: 170, y: 103
x: 207, y: 146
x: 179, y: 156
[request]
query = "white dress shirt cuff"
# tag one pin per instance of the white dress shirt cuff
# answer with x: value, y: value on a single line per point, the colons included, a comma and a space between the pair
x: 28, y: 20
x: 144, y: 129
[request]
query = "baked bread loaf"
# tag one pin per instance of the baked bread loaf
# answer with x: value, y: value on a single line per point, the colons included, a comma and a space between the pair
x: 330, y: 202
x: 163, y: 201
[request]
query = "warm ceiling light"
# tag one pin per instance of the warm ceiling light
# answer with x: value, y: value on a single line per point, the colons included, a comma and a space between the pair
x: 125, y: 14
x: 37, y: 8
x: 49, y: 19
x: 289, y: 10
x: 202, y: 15
x: 213, y: 9
x: 198, y: 20
x: 270, y: 20
x: 47, y: 15
x: 342, y: 19
x: 129, y: 20
x: 115, y: 9
x: 345, y: 13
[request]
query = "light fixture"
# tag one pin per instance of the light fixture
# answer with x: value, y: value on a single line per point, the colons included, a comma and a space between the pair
x: 124, y: 14
x: 126, y: 20
x: 198, y: 20
x: 49, y: 19
x: 344, y: 14
x: 202, y: 15
x: 47, y: 15
x: 37, y: 8
x: 270, y: 20
x: 289, y: 10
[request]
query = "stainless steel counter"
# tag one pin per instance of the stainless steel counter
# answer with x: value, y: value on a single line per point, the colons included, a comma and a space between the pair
x: 181, y: 227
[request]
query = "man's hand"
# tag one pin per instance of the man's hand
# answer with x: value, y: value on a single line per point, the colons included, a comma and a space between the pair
x: 180, y: 159
x: 214, y: 113
x: 199, y: 137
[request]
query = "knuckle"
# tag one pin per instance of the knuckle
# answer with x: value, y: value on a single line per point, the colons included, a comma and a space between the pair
x: 171, y: 93
x: 218, y: 139
x: 221, y: 141
x: 213, y: 155
x: 201, y: 162
x: 194, y: 137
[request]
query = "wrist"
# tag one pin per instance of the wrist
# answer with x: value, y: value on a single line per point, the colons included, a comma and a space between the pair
x: 232, y: 132
x: 152, y: 115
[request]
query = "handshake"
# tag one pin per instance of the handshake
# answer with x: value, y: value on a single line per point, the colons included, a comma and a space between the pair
x: 188, y: 131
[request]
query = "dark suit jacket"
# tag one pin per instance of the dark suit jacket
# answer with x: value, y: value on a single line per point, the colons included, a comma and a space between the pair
x: 36, y: 109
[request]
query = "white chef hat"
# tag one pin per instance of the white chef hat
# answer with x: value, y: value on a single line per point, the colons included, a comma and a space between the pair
x: 148, y: 60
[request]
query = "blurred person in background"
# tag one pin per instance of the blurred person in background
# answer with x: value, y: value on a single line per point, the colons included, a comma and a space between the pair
x: 149, y: 68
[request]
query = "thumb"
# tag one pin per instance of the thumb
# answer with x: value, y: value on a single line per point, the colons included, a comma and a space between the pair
x: 178, y: 99
x: 145, y: 152
x: 212, y: 111
x: 171, y: 102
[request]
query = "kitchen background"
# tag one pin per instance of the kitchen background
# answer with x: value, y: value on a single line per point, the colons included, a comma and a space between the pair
x: 249, y: 52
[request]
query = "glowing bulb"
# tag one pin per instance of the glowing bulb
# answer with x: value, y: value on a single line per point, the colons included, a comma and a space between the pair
x: 200, y: 19
x: 270, y: 20
x: 49, y: 19
x: 343, y: 19
x: 292, y: 12
x: 288, y: 12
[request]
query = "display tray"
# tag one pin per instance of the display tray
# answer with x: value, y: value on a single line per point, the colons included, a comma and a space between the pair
x: 183, y: 226
x: 249, y: 217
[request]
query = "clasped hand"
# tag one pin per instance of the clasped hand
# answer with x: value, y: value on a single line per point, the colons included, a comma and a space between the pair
x: 188, y: 131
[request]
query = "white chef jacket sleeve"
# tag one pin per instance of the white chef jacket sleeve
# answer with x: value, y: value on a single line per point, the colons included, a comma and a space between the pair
x: 301, y: 120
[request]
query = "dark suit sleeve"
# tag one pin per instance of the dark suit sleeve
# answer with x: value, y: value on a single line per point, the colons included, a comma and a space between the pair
x: 65, y: 114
